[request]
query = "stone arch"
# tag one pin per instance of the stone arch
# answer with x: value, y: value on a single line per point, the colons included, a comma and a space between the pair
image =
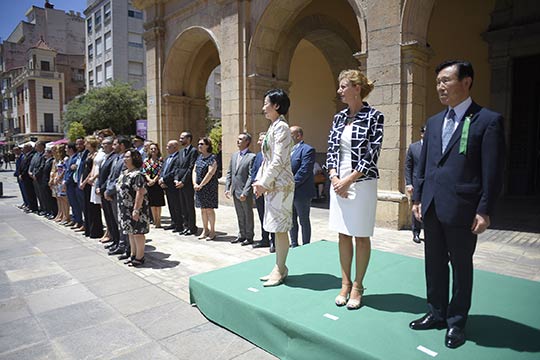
x: 325, y: 33
x: 190, y: 60
x: 194, y: 54
x: 264, y: 47
x: 415, y: 21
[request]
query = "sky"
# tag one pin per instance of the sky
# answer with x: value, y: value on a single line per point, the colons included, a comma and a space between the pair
x: 12, y: 11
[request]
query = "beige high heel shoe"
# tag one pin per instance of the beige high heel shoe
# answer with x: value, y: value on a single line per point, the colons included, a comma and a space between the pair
x: 202, y: 236
x: 274, y: 280
x: 341, y: 300
x: 354, y: 304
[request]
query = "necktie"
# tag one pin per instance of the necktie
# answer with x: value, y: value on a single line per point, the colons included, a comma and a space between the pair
x: 448, y: 129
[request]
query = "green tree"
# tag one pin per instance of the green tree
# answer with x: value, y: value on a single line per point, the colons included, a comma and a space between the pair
x: 75, y: 130
x: 215, y: 136
x: 114, y: 106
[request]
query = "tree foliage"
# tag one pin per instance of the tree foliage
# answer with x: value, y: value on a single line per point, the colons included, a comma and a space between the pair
x: 215, y: 136
x: 75, y: 131
x: 115, y: 106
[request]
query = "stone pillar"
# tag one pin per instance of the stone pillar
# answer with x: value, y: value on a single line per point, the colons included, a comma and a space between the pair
x: 154, y: 39
x: 414, y: 63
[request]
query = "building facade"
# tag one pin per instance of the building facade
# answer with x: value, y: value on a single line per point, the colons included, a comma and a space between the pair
x: 114, y: 43
x: 302, y: 45
x: 41, y: 69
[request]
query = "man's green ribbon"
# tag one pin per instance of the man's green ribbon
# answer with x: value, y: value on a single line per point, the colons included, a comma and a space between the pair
x: 465, y: 135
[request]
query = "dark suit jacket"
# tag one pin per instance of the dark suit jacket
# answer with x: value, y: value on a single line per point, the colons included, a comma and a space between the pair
x: 187, y: 158
x: 239, y: 179
x: 411, y: 162
x: 116, y: 170
x: 256, y: 165
x: 462, y: 185
x: 168, y: 172
x: 302, y: 160
x: 25, y: 164
x: 104, y: 172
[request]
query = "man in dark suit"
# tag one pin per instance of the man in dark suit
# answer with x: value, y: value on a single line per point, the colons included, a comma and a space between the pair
x: 36, y: 165
x: 411, y: 171
x: 184, y: 183
x: 302, y: 161
x: 166, y: 181
x: 267, y: 238
x: 26, y: 178
x: 101, y: 187
x: 459, y: 179
x: 19, y: 156
x: 120, y: 146
x: 238, y: 184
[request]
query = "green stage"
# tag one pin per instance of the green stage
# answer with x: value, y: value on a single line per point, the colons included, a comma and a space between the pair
x: 298, y: 320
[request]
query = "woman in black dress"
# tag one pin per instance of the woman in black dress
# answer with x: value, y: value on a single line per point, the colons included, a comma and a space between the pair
x: 152, y: 171
x: 92, y: 212
x: 205, y: 184
x: 133, y: 205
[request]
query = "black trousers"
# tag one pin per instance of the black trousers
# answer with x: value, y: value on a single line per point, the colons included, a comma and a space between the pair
x: 175, y: 209
x: 444, y: 244
x: 187, y: 201
x: 112, y: 224
x: 267, y: 238
x: 92, y: 216
x: 30, y: 193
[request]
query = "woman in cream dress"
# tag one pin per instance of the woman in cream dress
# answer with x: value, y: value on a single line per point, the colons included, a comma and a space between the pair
x: 275, y: 180
x: 354, y: 146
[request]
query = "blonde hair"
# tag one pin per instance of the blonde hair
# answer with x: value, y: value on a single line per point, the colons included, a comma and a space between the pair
x: 92, y: 140
x: 356, y: 77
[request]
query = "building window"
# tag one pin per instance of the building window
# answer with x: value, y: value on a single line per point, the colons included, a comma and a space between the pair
x: 107, y: 12
x: 47, y: 92
x: 90, y: 52
x: 108, y: 70
x: 135, y: 14
x: 89, y: 25
x: 135, y: 68
x: 97, y: 19
x: 45, y: 66
x: 90, y: 79
x: 99, y: 47
x: 135, y: 40
x: 108, y: 42
x: 99, y: 75
x: 48, y: 120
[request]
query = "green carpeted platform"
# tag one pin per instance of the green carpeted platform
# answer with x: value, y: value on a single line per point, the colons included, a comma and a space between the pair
x: 289, y: 320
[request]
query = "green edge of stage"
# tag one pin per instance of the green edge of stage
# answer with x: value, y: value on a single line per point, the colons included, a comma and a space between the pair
x: 289, y: 320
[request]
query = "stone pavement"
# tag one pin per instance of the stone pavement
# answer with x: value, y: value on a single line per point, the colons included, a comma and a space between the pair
x: 62, y: 297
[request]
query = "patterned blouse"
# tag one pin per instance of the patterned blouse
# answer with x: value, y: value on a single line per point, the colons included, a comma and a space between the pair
x: 366, y: 142
x: 152, y: 168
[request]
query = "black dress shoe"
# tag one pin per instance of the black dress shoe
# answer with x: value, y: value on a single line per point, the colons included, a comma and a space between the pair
x: 272, y: 248
x: 416, y: 239
x: 427, y: 322
x: 180, y: 231
x: 116, y: 251
x: 455, y: 337
x: 111, y: 245
x: 123, y: 257
x: 237, y: 240
x: 170, y: 227
x: 247, y: 242
x: 188, y: 232
x: 260, y: 244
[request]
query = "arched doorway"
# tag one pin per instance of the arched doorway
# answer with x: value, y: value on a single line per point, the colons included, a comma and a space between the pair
x: 191, y: 60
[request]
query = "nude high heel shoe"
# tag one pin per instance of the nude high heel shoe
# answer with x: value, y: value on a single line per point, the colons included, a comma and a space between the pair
x: 354, y: 304
x: 341, y: 300
x: 276, y: 280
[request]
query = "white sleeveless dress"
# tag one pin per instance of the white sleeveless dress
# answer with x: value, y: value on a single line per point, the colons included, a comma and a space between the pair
x: 354, y: 215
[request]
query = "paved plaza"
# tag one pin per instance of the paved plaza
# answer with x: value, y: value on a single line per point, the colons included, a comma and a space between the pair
x: 62, y: 297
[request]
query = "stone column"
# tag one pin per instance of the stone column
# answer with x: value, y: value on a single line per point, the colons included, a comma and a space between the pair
x: 154, y: 39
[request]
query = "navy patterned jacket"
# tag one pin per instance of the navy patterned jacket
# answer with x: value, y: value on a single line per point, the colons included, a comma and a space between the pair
x: 367, y: 136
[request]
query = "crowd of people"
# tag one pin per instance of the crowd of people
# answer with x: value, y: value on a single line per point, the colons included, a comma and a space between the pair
x: 453, y: 187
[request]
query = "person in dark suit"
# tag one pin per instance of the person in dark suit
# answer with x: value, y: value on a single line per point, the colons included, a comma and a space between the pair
x: 302, y: 161
x: 34, y: 170
x: 459, y: 180
x: 80, y: 159
x: 267, y: 239
x: 101, y: 186
x: 120, y: 247
x: 43, y: 178
x: 19, y: 156
x: 183, y: 182
x: 411, y: 170
x: 238, y: 184
x: 166, y: 181
x: 27, y: 180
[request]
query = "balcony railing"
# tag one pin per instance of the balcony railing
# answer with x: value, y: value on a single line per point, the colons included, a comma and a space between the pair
x: 37, y: 73
x: 48, y: 129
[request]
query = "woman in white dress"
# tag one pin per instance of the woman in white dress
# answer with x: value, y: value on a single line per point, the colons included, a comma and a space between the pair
x: 275, y: 181
x: 354, y: 145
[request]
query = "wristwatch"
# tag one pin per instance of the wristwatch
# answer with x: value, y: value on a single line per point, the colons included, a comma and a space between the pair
x: 333, y: 176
